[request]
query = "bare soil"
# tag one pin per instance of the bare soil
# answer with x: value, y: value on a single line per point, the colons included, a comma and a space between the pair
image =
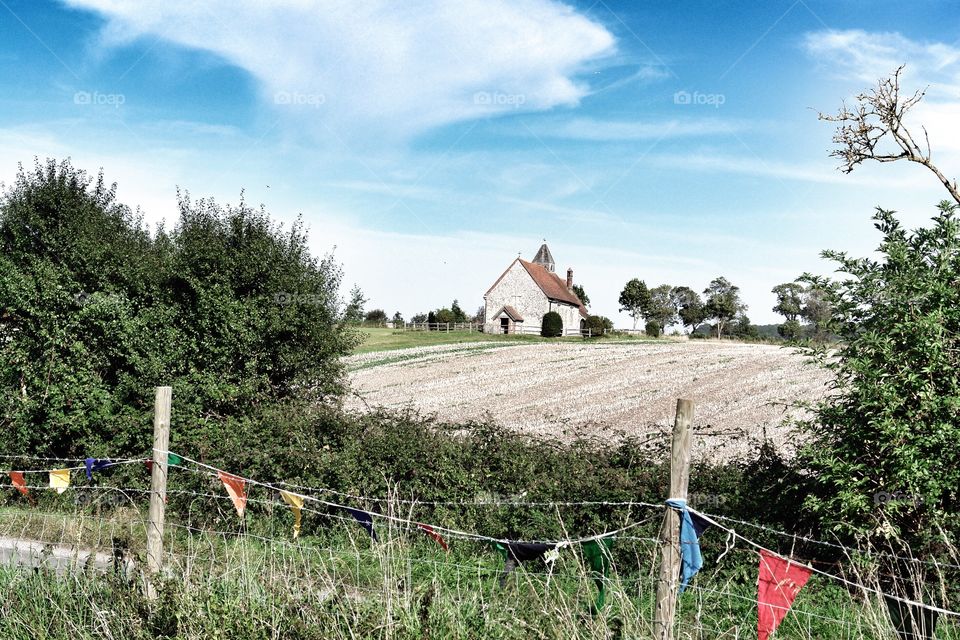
x: 743, y: 392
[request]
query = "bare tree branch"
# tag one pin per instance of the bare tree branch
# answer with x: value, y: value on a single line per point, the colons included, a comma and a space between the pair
x: 866, y: 131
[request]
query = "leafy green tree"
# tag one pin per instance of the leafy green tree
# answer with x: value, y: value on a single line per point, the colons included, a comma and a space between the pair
x: 662, y: 307
x: 722, y: 303
x: 458, y: 314
x: 789, y: 300
x: 444, y: 316
x: 790, y: 330
x: 817, y: 311
x: 635, y: 299
x: 741, y: 327
x: 95, y: 311
x: 580, y: 293
x: 690, y: 308
x: 354, y: 311
x: 653, y: 329
x: 420, y: 318
x: 552, y: 325
x: 397, y: 319
x: 885, y: 444
x: 376, y: 316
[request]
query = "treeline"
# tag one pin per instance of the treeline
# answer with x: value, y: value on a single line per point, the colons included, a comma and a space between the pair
x: 720, y: 311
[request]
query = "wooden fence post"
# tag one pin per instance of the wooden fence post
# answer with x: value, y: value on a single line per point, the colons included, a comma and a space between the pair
x: 158, y: 487
x: 670, y: 533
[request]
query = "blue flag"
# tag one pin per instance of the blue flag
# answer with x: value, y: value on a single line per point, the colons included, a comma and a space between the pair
x: 691, y: 528
x: 93, y: 464
x: 364, y: 519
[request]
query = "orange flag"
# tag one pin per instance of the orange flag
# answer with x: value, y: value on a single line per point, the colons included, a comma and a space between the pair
x: 234, y: 485
x: 16, y: 477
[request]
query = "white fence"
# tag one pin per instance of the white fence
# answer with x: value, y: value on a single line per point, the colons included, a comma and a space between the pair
x: 440, y: 326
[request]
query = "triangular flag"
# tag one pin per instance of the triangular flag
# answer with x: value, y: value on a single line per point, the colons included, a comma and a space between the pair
x: 427, y: 529
x: 364, y: 519
x: 516, y: 553
x: 597, y: 555
x: 172, y: 460
x: 93, y: 464
x: 778, y: 585
x: 234, y: 485
x: 296, y: 504
x: 60, y: 479
x: 692, y: 527
x: 16, y: 477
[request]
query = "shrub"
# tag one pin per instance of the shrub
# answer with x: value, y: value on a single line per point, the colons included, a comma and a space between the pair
x: 653, y: 329
x: 376, y: 317
x: 598, y: 325
x: 552, y: 325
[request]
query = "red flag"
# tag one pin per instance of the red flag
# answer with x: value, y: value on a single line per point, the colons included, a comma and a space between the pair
x: 16, y: 477
x: 234, y: 485
x: 427, y: 529
x: 778, y: 585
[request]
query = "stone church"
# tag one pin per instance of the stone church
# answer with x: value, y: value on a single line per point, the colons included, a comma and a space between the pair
x: 518, y: 300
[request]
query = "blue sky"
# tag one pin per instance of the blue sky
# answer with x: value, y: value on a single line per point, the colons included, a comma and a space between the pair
x: 429, y: 142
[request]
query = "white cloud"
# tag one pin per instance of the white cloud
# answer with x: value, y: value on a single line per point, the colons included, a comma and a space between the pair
x: 595, y: 130
x: 397, y: 68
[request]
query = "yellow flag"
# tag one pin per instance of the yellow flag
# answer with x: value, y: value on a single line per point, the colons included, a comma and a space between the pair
x: 296, y: 503
x: 60, y: 479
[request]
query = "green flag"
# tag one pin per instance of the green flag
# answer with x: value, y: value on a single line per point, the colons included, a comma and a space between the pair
x: 596, y: 553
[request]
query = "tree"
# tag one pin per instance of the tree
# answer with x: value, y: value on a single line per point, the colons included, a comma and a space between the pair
x: 376, y: 316
x: 227, y: 307
x: 722, y: 303
x: 741, y: 327
x: 580, y: 293
x: 880, y: 442
x: 420, y: 318
x: 458, y: 314
x: 552, y: 325
x: 635, y: 299
x: 480, y: 316
x: 790, y: 330
x: 789, y: 300
x: 397, y: 319
x: 875, y: 130
x: 432, y: 318
x: 445, y: 316
x: 354, y: 310
x: 662, y: 307
x: 689, y: 307
x: 816, y: 310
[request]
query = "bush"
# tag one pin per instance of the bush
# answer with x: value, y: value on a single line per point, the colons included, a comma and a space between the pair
x: 95, y: 311
x: 552, y: 325
x: 598, y: 325
x: 376, y: 317
x: 653, y: 329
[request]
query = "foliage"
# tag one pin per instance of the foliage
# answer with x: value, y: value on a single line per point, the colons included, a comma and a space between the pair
x: 635, y: 299
x: 354, y: 311
x: 789, y: 300
x: 444, y: 316
x: 742, y: 328
x: 653, y: 329
x: 689, y: 307
x: 228, y: 308
x: 722, y: 303
x: 790, y: 330
x: 458, y: 314
x: 552, y: 325
x: 377, y: 317
x: 662, y: 307
x: 598, y: 325
x: 397, y: 319
x: 885, y: 445
x: 581, y: 294
x: 420, y: 318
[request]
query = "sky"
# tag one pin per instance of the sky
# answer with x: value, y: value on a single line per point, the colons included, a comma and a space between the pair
x: 427, y: 143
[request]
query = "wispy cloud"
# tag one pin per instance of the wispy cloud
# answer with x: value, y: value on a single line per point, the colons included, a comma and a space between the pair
x: 393, y: 68
x: 596, y: 130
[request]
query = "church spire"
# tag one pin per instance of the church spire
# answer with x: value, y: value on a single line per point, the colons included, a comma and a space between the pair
x: 544, y: 257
